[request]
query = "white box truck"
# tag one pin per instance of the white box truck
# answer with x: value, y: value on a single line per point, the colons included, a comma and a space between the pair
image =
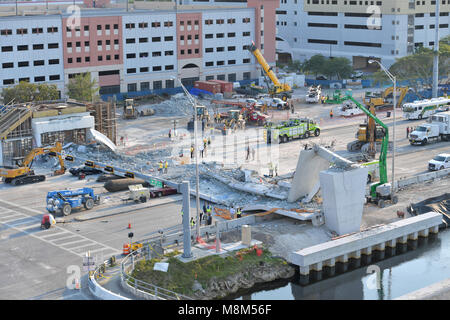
x: 442, y: 119
x: 424, y: 133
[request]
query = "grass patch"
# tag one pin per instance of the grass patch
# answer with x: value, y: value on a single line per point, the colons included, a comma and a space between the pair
x: 180, y: 276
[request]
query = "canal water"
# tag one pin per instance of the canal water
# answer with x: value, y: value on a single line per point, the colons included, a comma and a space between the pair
x: 398, y: 275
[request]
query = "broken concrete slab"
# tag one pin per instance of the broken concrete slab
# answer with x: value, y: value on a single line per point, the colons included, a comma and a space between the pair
x: 306, y: 174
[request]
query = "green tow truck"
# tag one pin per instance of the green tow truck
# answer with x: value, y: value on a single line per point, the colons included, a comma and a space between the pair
x: 293, y: 129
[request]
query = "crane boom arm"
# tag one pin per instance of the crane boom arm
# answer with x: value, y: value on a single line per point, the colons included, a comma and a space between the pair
x: 267, y: 69
x: 384, y: 143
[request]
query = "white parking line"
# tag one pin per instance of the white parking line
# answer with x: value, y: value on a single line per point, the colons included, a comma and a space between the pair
x: 69, y: 243
x: 60, y: 232
x: 43, y: 238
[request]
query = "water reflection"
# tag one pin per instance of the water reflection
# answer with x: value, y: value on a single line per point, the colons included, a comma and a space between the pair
x: 399, y: 275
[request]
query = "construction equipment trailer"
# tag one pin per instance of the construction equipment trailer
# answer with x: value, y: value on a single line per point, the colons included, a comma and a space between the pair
x: 278, y: 89
x: 23, y: 174
x: 380, y: 191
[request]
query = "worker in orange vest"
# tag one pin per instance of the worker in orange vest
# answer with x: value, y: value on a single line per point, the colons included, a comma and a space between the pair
x: 331, y: 113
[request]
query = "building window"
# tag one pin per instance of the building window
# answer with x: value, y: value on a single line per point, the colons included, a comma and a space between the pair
x: 322, y: 41
x: 246, y: 75
x: 53, y: 61
x: 156, y: 24
x: 246, y: 60
x: 246, y: 34
x: 38, y: 46
x: 108, y: 57
x: 168, y: 67
x: 131, y: 70
x: 21, y: 31
x: 232, y: 77
x: 8, y: 81
x: 156, y: 39
x: 20, y: 48
x: 132, y: 87
x: 39, y: 79
x: 24, y: 79
x: 23, y: 64
x: 168, y: 23
x: 145, y: 86
x: 157, y: 68
x: 220, y: 63
x: 209, y: 36
x: 231, y: 61
x: 87, y: 59
x: 170, y: 84
x: 78, y: 59
x: 207, y: 78
x: 8, y: 48
x: 143, y: 55
x: 143, y: 40
x: 209, y: 49
x: 231, y: 34
x: 54, y: 77
x: 127, y: 26
x: 69, y: 60
x: 143, y: 25
x: 156, y: 54
x: 220, y: 35
x: 209, y: 64
x: 37, y: 30
x: 168, y: 38
x: 220, y: 77
x: 53, y: 46
x: 131, y: 55
x: 130, y: 40
x: 100, y: 58
x: 7, y: 65
x: 157, y: 85
x: 143, y: 69
x: 168, y: 53
x: 116, y: 57
x: 52, y: 29
x: 39, y: 62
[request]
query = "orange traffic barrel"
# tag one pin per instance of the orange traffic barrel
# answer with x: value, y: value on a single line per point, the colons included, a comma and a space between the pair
x: 126, y: 249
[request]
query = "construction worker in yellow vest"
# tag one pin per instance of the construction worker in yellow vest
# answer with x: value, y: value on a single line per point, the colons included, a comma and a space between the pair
x: 238, y: 212
x: 192, y: 222
x: 160, y: 166
x: 166, y: 165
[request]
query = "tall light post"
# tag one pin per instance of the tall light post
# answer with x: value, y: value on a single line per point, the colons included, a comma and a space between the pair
x: 394, y: 81
x: 194, y: 104
x: 436, y: 55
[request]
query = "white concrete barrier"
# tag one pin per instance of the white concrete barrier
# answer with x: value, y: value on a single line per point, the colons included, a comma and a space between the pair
x: 101, y: 293
x: 426, y: 177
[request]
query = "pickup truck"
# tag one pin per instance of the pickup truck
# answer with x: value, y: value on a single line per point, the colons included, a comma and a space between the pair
x: 275, y: 103
x: 441, y: 161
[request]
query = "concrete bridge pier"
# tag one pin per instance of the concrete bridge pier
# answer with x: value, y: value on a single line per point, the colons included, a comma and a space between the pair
x: 342, y: 263
x: 402, y: 244
x: 366, y: 256
x: 433, y: 233
x: 355, y: 259
x: 423, y: 237
x: 330, y: 267
x: 316, y: 273
x: 413, y: 240
x: 379, y: 251
x: 390, y: 249
x: 304, y: 275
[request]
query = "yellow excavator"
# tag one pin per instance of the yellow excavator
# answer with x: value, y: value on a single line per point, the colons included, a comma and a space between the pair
x: 23, y: 174
x: 281, y: 90
x: 384, y: 99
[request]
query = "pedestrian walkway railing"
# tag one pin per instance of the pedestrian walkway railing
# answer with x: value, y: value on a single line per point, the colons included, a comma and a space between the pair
x: 141, y: 288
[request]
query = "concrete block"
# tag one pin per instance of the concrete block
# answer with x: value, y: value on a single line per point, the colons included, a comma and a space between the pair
x: 426, y: 177
x: 246, y: 235
x: 306, y: 174
x: 442, y: 173
x: 343, y: 198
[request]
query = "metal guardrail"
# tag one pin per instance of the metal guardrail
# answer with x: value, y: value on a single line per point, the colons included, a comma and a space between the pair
x: 148, y: 290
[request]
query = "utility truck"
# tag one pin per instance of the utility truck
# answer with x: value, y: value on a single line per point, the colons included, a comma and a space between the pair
x: 438, y: 128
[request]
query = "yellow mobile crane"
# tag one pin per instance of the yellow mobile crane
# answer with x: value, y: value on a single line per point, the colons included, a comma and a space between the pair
x: 23, y: 173
x: 282, y: 90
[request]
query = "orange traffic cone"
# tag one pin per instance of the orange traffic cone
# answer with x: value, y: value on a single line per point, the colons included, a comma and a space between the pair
x: 77, y: 284
x: 129, y: 225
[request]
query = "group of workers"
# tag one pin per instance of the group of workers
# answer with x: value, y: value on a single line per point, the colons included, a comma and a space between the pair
x: 163, y: 166
x: 203, y: 147
x: 206, y: 214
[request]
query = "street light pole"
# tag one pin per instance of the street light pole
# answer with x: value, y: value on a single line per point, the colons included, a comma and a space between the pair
x: 436, y: 55
x: 394, y: 81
